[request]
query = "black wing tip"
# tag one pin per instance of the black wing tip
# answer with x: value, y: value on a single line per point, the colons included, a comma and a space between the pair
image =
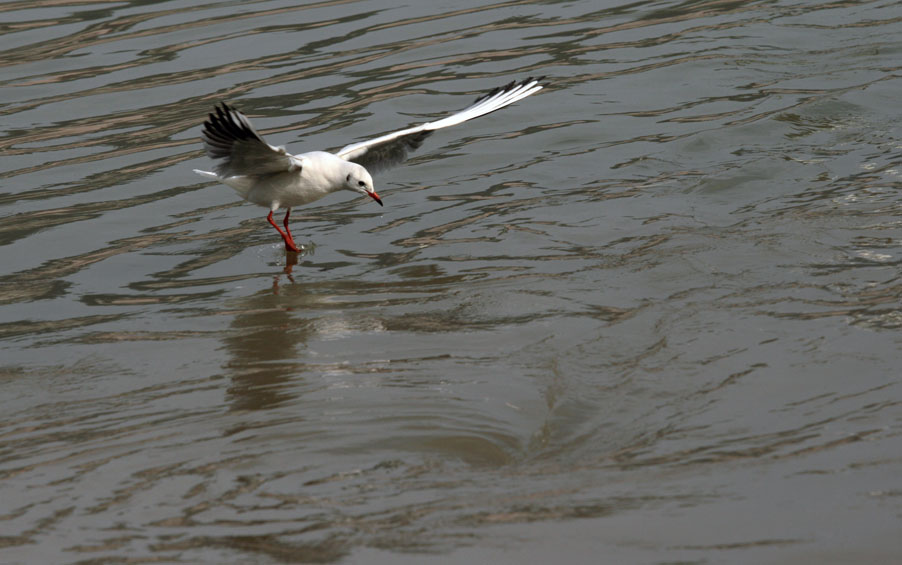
x: 223, y: 108
x: 510, y: 86
x: 221, y: 111
x: 225, y: 125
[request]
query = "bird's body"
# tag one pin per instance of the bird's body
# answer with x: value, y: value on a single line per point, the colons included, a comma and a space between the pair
x: 318, y: 174
x: 271, y: 177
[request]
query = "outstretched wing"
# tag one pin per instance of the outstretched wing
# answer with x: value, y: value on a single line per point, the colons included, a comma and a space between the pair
x: 392, y: 149
x: 231, y: 140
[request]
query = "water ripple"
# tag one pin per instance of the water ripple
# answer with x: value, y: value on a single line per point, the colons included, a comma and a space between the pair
x: 663, y: 291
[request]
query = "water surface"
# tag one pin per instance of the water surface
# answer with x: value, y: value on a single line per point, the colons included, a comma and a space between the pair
x: 649, y: 315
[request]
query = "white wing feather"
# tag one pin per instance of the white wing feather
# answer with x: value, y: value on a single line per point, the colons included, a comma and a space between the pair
x: 392, y: 149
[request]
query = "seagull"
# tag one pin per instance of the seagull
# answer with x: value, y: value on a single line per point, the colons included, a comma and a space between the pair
x: 271, y: 177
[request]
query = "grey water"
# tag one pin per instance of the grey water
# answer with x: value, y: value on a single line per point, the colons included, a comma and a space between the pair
x: 649, y: 315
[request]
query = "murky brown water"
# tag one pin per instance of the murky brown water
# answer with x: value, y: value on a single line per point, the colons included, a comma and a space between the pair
x: 649, y: 315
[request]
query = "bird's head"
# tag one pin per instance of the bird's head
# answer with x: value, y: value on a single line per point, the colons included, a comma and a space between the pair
x: 359, y: 180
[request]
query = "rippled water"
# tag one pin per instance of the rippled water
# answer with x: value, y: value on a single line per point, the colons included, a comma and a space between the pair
x: 649, y: 315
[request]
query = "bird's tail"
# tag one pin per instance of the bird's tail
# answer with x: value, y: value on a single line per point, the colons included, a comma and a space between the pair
x: 242, y: 185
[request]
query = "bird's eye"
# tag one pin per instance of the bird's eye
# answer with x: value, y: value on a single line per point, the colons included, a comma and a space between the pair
x: 361, y: 183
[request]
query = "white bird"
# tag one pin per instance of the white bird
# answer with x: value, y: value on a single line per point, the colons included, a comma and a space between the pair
x: 271, y: 177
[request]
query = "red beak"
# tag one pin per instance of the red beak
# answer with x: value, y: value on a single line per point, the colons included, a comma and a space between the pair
x: 375, y: 197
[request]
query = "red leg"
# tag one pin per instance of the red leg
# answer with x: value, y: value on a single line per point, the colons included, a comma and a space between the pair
x: 285, y: 223
x: 286, y: 237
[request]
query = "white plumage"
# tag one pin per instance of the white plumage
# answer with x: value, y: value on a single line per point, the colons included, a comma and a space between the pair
x: 271, y: 177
